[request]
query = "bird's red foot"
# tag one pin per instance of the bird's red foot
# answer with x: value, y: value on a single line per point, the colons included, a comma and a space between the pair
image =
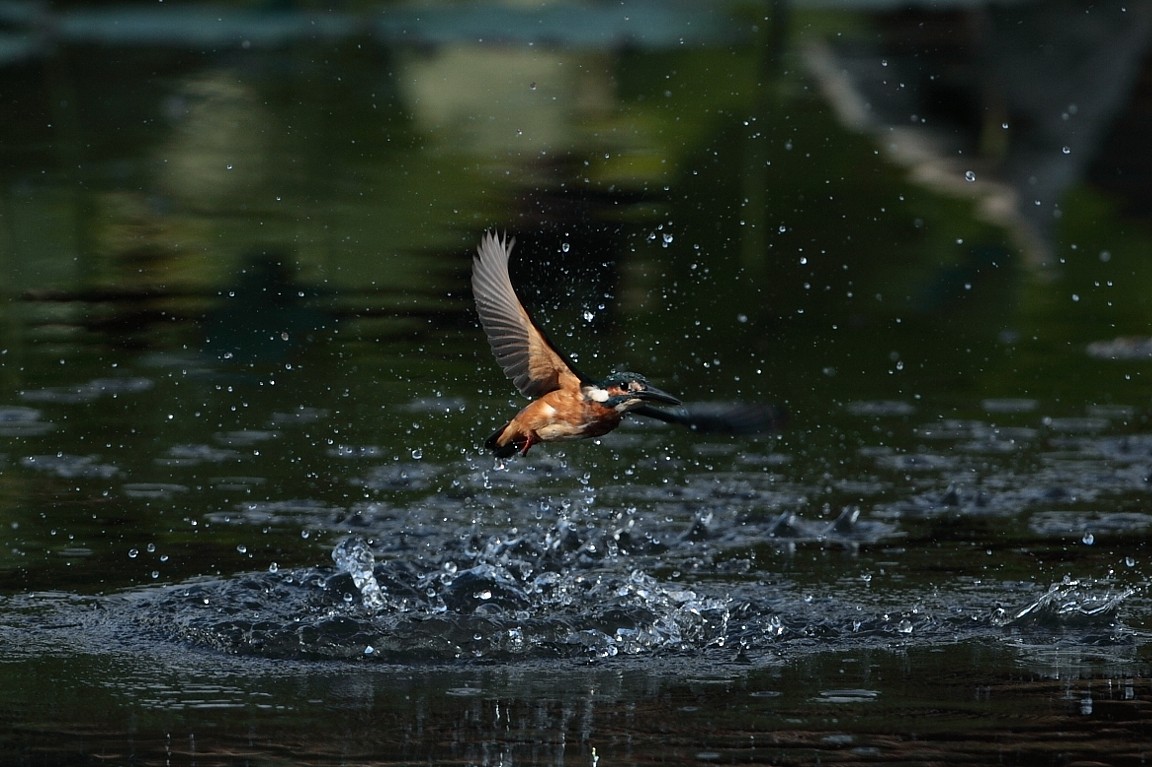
x: 529, y: 440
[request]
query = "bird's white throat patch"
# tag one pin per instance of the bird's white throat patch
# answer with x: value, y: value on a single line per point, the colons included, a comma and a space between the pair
x: 596, y: 394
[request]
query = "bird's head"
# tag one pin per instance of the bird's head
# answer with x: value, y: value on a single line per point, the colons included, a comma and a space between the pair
x: 624, y: 391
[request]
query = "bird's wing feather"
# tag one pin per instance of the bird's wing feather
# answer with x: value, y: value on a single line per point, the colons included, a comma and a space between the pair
x: 535, y: 366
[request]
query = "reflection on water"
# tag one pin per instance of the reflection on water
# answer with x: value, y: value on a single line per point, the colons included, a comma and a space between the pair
x: 1012, y: 110
x: 242, y: 393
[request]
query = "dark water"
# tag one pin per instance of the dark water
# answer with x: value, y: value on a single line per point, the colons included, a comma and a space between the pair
x: 246, y: 516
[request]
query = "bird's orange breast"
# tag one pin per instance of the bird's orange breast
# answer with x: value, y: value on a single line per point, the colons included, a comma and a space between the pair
x: 561, y: 415
x: 565, y: 414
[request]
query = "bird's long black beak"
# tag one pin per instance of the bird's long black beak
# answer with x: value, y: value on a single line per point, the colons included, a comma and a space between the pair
x: 652, y: 394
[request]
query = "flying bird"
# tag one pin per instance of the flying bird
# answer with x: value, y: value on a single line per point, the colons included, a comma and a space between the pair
x: 567, y: 404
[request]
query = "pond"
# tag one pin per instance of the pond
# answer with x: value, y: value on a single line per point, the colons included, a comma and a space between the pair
x: 248, y: 516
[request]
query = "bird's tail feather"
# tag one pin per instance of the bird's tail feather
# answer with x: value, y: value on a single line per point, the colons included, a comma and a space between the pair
x: 506, y: 450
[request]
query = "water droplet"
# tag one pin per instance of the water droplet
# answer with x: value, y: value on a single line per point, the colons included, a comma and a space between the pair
x: 588, y: 316
x: 417, y: 454
x: 969, y: 175
x: 1066, y: 150
x: 565, y: 247
x: 1088, y: 539
x: 242, y: 549
x: 274, y: 568
x: 133, y: 553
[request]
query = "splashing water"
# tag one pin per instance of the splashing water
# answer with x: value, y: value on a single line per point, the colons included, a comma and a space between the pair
x: 1072, y: 602
x: 353, y: 556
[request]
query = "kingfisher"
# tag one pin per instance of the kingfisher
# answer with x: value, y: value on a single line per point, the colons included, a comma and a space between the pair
x: 566, y: 404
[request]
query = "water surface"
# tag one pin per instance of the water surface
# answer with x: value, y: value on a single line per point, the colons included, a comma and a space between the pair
x: 243, y: 392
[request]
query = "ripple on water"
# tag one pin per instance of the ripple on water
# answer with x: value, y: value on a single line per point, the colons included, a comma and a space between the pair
x: 70, y: 466
x: 1121, y: 348
x: 1006, y: 499
x: 401, y: 475
x: 918, y: 462
x: 237, y: 484
x: 301, y: 415
x: 195, y: 455
x: 846, y: 528
x: 355, y: 451
x: 245, y: 438
x: 17, y: 421
x: 436, y: 404
x: 1073, y: 524
x: 848, y: 696
x: 288, y: 512
x: 978, y: 438
x: 75, y: 552
x: 88, y: 392
x: 1077, y: 424
x: 1009, y: 405
x: 182, y: 694
x: 880, y: 408
x: 1112, y: 411
x: 1127, y: 448
x: 152, y: 490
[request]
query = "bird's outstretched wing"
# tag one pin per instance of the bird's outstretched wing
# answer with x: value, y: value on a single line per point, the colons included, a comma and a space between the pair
x: 535, y: 366
x: 738, y: 419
